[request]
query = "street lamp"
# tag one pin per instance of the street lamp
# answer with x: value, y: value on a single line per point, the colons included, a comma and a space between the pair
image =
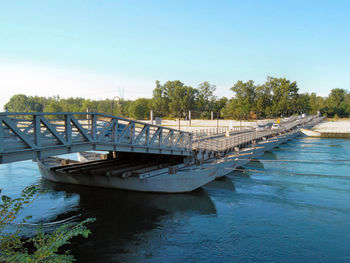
x: 112, y: 106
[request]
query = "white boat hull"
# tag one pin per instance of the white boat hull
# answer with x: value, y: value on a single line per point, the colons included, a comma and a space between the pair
x: 185, y: 180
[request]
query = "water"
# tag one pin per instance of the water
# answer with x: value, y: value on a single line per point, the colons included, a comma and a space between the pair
x: 274, y: 210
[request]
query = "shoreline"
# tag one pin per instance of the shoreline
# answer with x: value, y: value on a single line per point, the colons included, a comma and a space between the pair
x: 340, y: 126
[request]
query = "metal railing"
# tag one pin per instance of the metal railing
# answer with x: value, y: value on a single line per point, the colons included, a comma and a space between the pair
x: 33, y: 135
x: 225, y: 143
x: 201, y: 133
x: 219, y: 144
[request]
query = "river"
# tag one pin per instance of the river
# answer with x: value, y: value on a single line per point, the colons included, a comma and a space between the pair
x: 293, y: 205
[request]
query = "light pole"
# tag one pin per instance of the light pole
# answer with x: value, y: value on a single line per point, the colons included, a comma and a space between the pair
x: 112, y: 106
x: 217, y: 122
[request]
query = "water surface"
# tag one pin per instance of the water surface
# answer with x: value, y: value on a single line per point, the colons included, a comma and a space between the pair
x: 293, y: 205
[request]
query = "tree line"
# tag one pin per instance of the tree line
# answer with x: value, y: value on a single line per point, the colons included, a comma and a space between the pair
x: 173, y: 99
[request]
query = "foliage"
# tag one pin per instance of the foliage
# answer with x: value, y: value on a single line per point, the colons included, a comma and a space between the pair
x: 206, y: 100
x: 274, y: 98
x: 181, y: 98
x: 139, y: 109
x: 44, y: 246
x: 160, y: 101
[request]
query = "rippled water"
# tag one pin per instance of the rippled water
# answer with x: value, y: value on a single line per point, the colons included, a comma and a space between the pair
x: 293, y: 205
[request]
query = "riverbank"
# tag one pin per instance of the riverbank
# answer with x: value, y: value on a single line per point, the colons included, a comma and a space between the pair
x: 333, y: 128
x: 339, y: 126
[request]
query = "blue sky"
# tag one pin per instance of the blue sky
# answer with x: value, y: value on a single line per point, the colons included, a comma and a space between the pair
x: 98, y: 49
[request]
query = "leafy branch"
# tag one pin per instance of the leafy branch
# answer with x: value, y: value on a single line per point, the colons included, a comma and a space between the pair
x: 44, y: 246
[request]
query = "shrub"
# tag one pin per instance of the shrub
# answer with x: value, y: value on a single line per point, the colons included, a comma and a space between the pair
x: 45, y: 246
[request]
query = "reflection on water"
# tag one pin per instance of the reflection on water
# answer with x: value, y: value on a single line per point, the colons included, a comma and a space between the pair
x: 223, y: 183
x: 121, y: 215
x: 287, y: 207
x: 256, y: 164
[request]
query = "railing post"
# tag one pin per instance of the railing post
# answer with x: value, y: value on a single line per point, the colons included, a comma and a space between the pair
x: 36, y: 126
x: 147, y: 137
x: 161, y: 137
x: 132, y: 133
x: 115, y: 130
x: 94, y: 123
x: 68, y: 128
x: 1, y: 136
x: 190, y: 144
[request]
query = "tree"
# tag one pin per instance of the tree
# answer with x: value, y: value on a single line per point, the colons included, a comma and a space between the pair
x: 53, y: 106
x: 335, y: 98
x: 220, y: 104
x: 45, y: 246
x: 235, y: 109
x: 284, y: 96
x: 180, y: 98
x: 139, y: 109
x: 245, y: 95
x: 263, y: 100
x: 303, y: 103
x: 90, y: 105
x: 206, y: 98
x: 336, y: 104
x: 18, y: 103
x: 71, y: 104
x: 160, y: 101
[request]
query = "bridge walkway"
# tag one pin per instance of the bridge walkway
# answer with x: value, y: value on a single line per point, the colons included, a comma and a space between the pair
x: 35, y: 135
x: 225, y: 144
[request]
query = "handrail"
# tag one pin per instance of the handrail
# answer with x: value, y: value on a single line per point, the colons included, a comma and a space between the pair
x: 36, y: 135
x: 219, y: 144
x: 83, y: 113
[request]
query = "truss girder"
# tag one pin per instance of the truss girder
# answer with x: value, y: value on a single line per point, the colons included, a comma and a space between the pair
x: 32, y: 135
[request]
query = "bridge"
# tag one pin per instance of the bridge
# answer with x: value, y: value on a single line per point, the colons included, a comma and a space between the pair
x: 219, y: 143
x: 26, y: 136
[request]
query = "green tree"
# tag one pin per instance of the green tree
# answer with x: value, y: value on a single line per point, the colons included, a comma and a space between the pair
x: 245, y: 97
x: 220, y: 104
x: 263, y: 100
x: 335, y: 103
x: 206, y: 99
x: 14, y: 248
x: 18, y: 103
x: 181, y: 98
x: 53, y: 106
x: 139, y: 109
x: 235, y: 109
x: 284, y: 96
x: 303, y: 103
x: 160, y: 101
x: 335, y: 98
x: 71, y: 104
x: 89, y: 105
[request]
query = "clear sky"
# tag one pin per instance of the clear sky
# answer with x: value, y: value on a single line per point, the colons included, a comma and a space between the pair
x: 100, y: 49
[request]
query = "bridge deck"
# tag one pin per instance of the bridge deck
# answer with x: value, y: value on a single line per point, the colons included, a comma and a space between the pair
x: 224, y: 144
x: 35, y: 135
x: 26, y: 136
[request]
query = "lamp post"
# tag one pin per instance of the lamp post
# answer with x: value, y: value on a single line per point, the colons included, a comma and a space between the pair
x: 217, y: 122
x: 112, y: 106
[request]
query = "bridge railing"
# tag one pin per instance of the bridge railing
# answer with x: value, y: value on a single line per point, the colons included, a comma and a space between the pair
x: 201, y: 133
x: 225, y: 143
x: 32, y: 135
